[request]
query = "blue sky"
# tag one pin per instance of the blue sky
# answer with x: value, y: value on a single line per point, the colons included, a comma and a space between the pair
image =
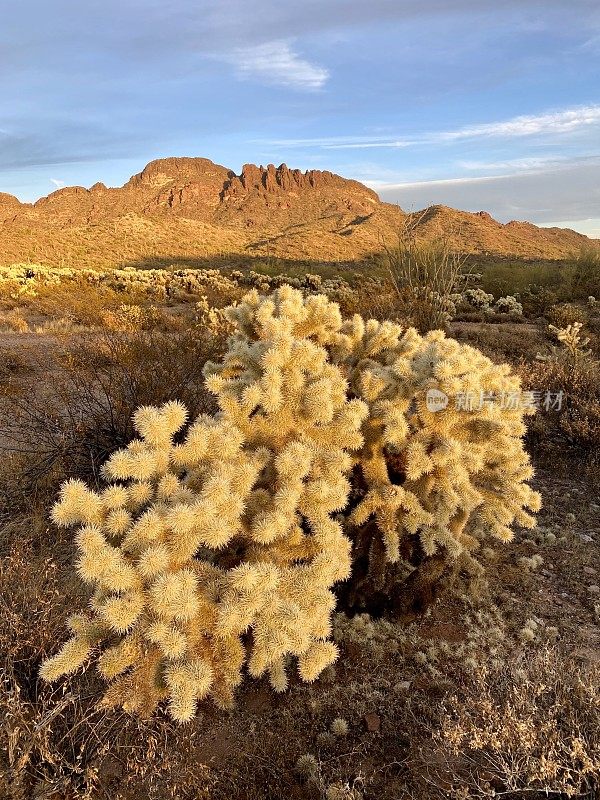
x: 478, y: 105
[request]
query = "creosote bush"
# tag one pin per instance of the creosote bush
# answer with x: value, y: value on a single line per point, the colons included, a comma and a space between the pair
x: 217, y: 546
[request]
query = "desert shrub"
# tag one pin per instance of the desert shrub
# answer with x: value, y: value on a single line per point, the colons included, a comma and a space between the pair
x: 585, y: 279
x: 425, y: 275
x: 574, y: 374
x: 14, y: 322
x: 128, y: 318
x: 564, y: 314
x: 84, y: 305
x: 373, y: 299
x: 219, y: 546
x: 502, y: 343
x: 537, y: 300
x: 71, y: 421
x: 509, y: 277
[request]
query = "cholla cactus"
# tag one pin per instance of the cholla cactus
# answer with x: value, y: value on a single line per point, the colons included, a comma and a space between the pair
x: 436, y: 483
x: 212, y: 320
x: 570, y: 337
x: 478, y: 299
x: 508, y: 305
x: 220, y: 547
x: 592, y: 301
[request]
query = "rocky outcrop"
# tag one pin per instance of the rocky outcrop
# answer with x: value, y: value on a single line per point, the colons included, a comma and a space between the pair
x: 179, y: 170
x: 282, y: 179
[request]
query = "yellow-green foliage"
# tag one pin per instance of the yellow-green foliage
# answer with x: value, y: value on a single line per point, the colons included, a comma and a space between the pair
x: 219, y: 548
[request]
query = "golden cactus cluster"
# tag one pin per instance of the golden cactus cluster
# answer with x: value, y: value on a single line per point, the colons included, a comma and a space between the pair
x: 451, y: 475
x: 217, y: 542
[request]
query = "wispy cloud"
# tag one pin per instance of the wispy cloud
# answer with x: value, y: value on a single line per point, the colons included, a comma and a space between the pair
x: 276, y: 63
x: 564, y: 121
x: 554, y: 123
x: 58, y: 183
x: 525, y: 164
x: 568, y: 193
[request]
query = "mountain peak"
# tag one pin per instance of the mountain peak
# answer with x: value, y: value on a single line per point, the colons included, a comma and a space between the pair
x: 164, y: 170
x: 9, y: 199
x: 181, y: 209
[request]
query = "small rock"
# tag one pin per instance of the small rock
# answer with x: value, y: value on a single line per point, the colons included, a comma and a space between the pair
x: 594, y: 588
x: 594, y: 507
x: 372, y: 721
x: 590, y: 570
x: 570, y: 517
x: 404, y: 685
x: 585, y: 538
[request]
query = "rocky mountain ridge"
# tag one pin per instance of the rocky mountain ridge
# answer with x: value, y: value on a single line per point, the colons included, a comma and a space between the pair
x: 193, y: 207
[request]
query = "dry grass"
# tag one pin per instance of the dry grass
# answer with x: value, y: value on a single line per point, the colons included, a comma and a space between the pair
x: 71, y: 421
x: 577, y: 422
x: 529, y: 727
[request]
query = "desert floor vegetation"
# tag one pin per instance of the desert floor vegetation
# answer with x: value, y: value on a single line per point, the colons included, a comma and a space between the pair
x: 491, y: 688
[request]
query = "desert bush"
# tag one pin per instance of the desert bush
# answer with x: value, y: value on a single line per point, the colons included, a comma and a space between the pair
x: 69, y: 423
x: 425, y: 275
x: 585, y: 279
x: 220, y: 546
x: 502, y: 343
x: 509, y: 277
x: 128, y: 318
x: 80, y: 305
x: 13, y: 322
x: 564, y: 314
x: 573, y: 373
x: 537, y: 300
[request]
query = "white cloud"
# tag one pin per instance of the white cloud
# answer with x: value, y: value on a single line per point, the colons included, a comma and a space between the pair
x: 564, y: 121
x: 59, y: 184
x: 570, y: 193
x: 555, y: 123
x: 527, y: 163
x: 277, y: 64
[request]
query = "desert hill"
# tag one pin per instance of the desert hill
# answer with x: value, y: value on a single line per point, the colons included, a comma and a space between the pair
x: 190, y: 208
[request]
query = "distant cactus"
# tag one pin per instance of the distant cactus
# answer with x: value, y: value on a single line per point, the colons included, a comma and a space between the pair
x: 219, y: 546
x: 570, y: 338
x: 508, y: 305
x: 478, y: 299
